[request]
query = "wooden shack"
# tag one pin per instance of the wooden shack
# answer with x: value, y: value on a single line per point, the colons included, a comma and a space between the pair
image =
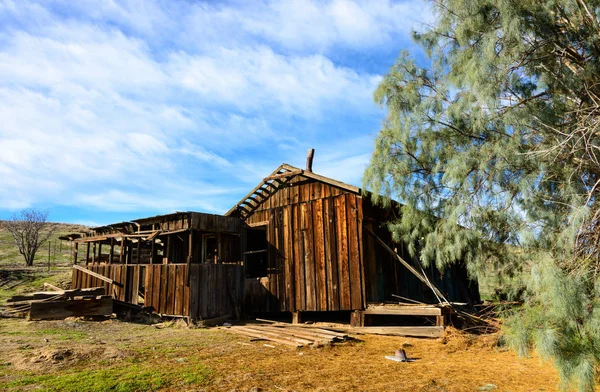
x: 298, y: 242
x: 316, y: 244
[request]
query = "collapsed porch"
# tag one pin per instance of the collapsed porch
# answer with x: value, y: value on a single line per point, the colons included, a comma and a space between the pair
x: 183, y: 264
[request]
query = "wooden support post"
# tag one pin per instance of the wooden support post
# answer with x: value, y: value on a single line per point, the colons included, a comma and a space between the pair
x: 357, y: 319
x: 87, y: 255
x: 112, y: 251
x: 122, y: 250
x: 190, y: 246
x: 153, y: 251
x: 99, y: 252
x: 439, y: 320
x: 167, y: 251
x: 296, y: 318
x: 139, y: 250
x: 94, y: 253
x: 75, y: 249
x: 189, y: 257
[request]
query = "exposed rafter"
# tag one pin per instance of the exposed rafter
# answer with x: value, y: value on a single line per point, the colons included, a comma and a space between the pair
x: 279, y: 178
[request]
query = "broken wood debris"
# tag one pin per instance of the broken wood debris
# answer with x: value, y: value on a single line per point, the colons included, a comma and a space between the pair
x: 289, y: 335
x: 61, y: 304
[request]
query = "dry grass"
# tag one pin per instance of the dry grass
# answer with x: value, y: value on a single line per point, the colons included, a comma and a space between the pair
x: 112, y: 355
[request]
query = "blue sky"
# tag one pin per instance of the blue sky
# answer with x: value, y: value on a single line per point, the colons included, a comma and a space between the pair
x: 115, y: 110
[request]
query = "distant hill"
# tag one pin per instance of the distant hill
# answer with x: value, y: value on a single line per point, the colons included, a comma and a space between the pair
x: 60, y: 251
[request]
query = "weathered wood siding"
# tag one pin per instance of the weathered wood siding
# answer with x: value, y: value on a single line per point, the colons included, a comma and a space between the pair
x: 314, y: 237
x: 214, y: 289
x: 166, y: 289
x: 129, y: 280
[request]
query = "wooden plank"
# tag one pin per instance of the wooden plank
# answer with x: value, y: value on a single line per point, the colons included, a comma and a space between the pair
x: 320, y: 265
x: 287, y: 174
x: 259, y: 223
x: 148, y: 285
x: 193, y: 289
x: 354, y: 253
x: 293, y: 194
x: 156, y: 272
x: 327, y: 332
x: 209, y: 279
x: 339, y: 184
x: 422, y: 332
x: 186, y: 296
x: 404, y: 310
x: 120, y: 276
x: 272, y: 262
x: 87, y: 277
x: 279, y: 241
x: 309, y: 258
x: 333, y: 300
x: 111, y: 253
x: 179, y: 284
x: 256, y: 335
x: 135, y: 288
x: 275, y: 334
x: 298, y: 258
x: 299, y: 333
x: 217, y: 290
x: 74, y: 283
x: 92, y: 273
x: 164, y: 286
x: 359, y: 217
x: 289, y: 259
x: 342, y: 252
x: 202, y: 277
x: 171, y: 289
x: 122, y: 250
x: 89, y: 292
x: 72, y: 308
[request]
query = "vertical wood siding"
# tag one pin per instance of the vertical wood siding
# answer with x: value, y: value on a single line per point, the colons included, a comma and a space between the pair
x: 314, y: 236
x: 214, y: 289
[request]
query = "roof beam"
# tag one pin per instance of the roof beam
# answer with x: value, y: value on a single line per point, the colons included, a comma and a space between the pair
x: 284, y: 174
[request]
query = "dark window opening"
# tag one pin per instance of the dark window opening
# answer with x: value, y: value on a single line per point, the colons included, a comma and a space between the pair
x: 256, y: 252
x: 211, y: 255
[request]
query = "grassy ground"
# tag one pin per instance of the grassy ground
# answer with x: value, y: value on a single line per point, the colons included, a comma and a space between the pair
x: 112, y: 355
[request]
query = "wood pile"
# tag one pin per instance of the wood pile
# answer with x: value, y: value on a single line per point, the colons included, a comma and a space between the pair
x: 59, y: 304
x: 289, y: 334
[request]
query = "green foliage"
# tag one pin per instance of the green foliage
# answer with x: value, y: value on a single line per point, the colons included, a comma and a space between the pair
x: 562, y: 318
x: 492, y: 150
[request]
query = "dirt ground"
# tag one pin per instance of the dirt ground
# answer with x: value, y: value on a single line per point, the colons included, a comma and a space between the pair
x: 75, y: 355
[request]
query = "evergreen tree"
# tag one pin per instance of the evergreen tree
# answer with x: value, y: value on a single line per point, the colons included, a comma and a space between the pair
x: 494, y: 150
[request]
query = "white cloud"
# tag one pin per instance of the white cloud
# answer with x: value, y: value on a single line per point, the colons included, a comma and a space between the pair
x: 257, y: 78
x: 146, y: 105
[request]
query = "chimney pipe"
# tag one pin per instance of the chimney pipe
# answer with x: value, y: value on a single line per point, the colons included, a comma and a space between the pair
x: 309, y: 159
